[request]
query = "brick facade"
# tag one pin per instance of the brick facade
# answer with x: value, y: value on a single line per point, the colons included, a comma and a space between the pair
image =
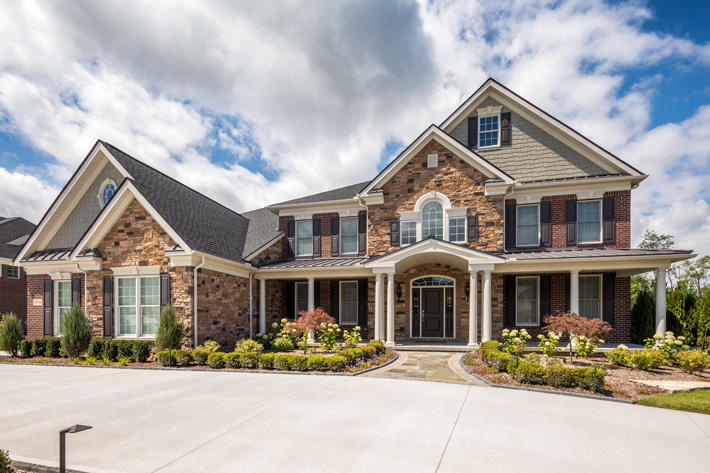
x: 13, y: 293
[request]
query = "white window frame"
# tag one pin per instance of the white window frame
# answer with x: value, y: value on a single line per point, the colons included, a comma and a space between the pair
x: 57, y: 310
x: 537, y: 300
x: 416, y: 216
x: 517, y: 225
x: 402, y: 223
x: 340, y: 302
x: 295, y: 297
x: 13, y: 268
x: 139, y: 314
x: 497, y: 145
x: 103, y: 185
x: 356, y: 235
x: 465, y: 229
x: 601, y: 223
x: 300, y: 222
x: 601, y: 293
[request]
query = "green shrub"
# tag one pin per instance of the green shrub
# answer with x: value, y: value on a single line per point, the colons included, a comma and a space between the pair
x: 110, y: 350
x: 692, y: 361
x: 249, y: 360
x: 52, y: 348
x: 5, y: 463
x: 39, y: 345
x: 336, y: 363
x: 216, y: 360
x: 282, y: 362
x: 351, y: 355
x: 298, y: 363
x: 490, y: 345
x: 515, y: 341
x: 76, y: 333
x: 200, y: 356
x: 96, y: 348
x: 210, y: 346
x: 559, y: 376
x: 141, y: 350
x: 528, y: 372
x: 11, y: 333
x: 183, y: 357
x: 585, y: 346
x: 369, y: 351
x: 548, y: 344
x: 318, y: 363
x: 352, y: 337
x: 233, y: 360
x: 167, y: 358
x: 589, y: 378
x: 266, y: 361
x: 170, y: 332
x: 247, y: 345
x: 124, y: 348
x: 647, y: 359
x: 282, y: 344
x: 620, y: 355
x: 26, y: 348
x: 498, y: 359
x: 379, y: 346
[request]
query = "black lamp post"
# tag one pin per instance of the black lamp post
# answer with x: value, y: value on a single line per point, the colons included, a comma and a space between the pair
x: 62, y: 443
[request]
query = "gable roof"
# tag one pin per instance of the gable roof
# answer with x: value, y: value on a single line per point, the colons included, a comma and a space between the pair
x: 13, y: 234
x: 341, y: 193
x: 263, y: 230
x: 550, y: 124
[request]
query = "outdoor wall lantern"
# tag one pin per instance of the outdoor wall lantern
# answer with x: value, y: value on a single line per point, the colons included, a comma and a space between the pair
x: 468, y: 289
x: 62, y: 443
x: 398, y: 290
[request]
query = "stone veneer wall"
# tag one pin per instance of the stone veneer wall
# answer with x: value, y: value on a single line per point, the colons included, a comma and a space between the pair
x: 222, y: 307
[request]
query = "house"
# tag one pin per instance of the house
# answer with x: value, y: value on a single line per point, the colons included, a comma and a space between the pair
x: 14, y: 231
x: 495, y: 218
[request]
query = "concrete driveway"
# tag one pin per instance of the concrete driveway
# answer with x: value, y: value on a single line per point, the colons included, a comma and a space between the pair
x: 191, y: 421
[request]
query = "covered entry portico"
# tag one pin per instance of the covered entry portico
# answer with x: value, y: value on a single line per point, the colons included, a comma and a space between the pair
x: 432, y: 297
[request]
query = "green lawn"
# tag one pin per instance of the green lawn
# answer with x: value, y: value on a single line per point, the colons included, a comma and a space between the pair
x: 692, y: 401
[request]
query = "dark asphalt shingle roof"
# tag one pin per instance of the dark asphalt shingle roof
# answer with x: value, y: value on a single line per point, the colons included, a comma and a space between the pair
x: 11, y: 231
x: 263, y: 228
x: 340, y: 193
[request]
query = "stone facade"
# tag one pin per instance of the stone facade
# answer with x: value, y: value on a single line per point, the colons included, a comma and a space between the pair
x: 222, y: 307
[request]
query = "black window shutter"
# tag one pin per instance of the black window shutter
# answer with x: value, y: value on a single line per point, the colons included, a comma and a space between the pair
x: 510, y: 226
x: 608, y: 296
x: 505, y: 129
x: 545, y: 296
x: 316, y: 294
x: 164, y: 290
x: 362, y: 306
x: 76, y: 291
x: 108, y: 306
x: 361, y: 234
x: 510, y: 301
x: 472, y: 228
x: 47, y: 305
x: 290, y: 299
x: 571, y: 220
x: 472, y: 132
x: 335, y: 236
x: 290, y: 233
x: 608, y: 217
x: 394, y: 233
x: 546, y: 223
x: 334, y: 300
x: 316, y: 237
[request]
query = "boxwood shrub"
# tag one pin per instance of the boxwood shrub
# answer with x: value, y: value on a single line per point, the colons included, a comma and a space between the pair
x: 647, y: 359
x: 233, y: 359
x: 282, y: 362
x: 318, y: 363
x: 96, y: 348
x: 490, y: 345
x: 141, y: 350
x: 528, y: 372
x: 336, y: 363
x: 200, y: 356
x: 298, y: 363
x: 52, y: 348
x: 183, y: 357
x: 249, y: 360
x: 39, y: 345
x: 167, y: 358
x: 379, y: 346
x: 110, y: 350
x: 216, y: 360
x: 26, y: 348
x: 266, y: 361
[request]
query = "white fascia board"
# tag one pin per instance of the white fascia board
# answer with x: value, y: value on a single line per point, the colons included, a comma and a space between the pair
x: 316, y: 207
x: 600, y: 263
x: 375, y: 198
x: 6, y: 261
x: 47, y: 268
x: 496, y: 188
x: 304, y: 273
x: 221, y: 265
x: 135, y: 270
x: 473, y: 257
x: 434, y: 132
x: 182, y: 259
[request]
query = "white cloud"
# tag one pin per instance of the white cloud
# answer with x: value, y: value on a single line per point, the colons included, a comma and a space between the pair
x: 24, y: 191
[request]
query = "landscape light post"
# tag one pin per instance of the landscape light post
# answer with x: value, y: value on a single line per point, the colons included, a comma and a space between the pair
x: 62, y: 444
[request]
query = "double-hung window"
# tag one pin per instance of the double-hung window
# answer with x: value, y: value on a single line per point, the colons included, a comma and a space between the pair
x: 408, y: 232
x: 457, y: 229
x: 301, y: 297
x: 348, y: 302
x: 13, y: 272
x: 348, y: 235
x: 62, y: 306
x: 527, y: 295
x: 590, y: 296
x: 528, y: 230
x: 138, y: 306
x: 589, y: 221
x: 304, y: 238
x: 488, y: 131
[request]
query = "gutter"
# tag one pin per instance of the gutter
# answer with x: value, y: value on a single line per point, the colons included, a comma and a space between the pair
x: 194, y: 300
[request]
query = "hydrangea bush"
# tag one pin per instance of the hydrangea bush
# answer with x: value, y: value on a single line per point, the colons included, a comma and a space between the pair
x: 515, y: 341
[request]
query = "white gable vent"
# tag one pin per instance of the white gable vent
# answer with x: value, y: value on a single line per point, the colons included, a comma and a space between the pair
x: 432, y: 160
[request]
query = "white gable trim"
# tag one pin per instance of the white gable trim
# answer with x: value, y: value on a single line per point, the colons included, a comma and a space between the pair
x: 547, y: 122
x: 474, y: 258
x: 113, y: 211
x: 68, y: 199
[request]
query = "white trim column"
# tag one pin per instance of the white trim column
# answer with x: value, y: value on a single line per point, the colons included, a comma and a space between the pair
x: 473, y: 309
x: 487, y: 314
x: 661, y: 301
x: 379, y: 308
x: 574, y: 291
x: 262, y: 305
x: 390, y: 310
x: 311, y: 294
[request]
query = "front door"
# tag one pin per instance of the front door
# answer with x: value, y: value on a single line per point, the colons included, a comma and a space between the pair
x: 432, y: 312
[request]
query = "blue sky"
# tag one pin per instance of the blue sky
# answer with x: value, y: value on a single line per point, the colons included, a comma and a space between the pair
x: 254, y: 102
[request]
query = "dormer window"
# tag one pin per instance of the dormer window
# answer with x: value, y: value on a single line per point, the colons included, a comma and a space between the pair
x: 489, y: 131
x: 106, y: 191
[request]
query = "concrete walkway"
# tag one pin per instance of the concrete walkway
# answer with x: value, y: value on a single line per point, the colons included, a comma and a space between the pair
x: 177, y: 421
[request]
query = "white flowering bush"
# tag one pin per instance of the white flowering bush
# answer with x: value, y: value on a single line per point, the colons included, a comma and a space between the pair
x: 515, y: 341
x: 585, y: 346
x: 548, y: 344
x: 327, y: 335
x: 668, y: 343
x: 353, y: 337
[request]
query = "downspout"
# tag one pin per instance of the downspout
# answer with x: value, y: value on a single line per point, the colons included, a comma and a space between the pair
x: 86, y: 286
x: 505, y: 196
x: 194, y: 300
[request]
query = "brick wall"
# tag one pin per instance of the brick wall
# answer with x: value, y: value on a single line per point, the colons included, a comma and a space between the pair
x: 13, y: 293
x: 222, y: 307
x: 35, y: 312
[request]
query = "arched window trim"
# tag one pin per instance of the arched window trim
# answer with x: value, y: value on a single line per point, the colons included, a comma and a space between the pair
x: 100, y: 195
x: 417, y: 215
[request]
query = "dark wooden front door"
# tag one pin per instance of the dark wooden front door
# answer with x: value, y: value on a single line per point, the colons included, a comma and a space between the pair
x: 432, y: 312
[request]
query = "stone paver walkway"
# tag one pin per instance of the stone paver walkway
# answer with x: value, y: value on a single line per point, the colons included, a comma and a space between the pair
x: 427, y: 366
x: 674, y: 386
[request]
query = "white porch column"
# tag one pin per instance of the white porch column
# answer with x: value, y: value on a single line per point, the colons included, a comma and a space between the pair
x: 311, y: 296
x: 390, y: 310
x: 262, y: 305
x: 574, y: 291
x: 661, y: 301
x: 473, y: 309
x: 379, y: 308
x: 487, y: 316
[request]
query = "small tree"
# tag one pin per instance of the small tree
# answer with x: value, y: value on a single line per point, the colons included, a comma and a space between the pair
x: 571, y: 324
x: 310, y: 321
x: 170, y: 331
x: 11, y: 333
x: 5, y: 463
x: 76, y: 332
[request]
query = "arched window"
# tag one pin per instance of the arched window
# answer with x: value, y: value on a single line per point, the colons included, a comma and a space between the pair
x: 433, y: 220
x: 107, y: 193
